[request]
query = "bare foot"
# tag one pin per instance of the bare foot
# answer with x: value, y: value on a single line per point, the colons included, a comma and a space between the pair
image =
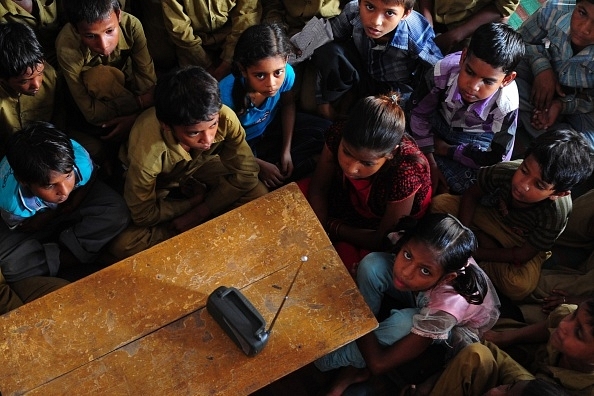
x: 347, y: 376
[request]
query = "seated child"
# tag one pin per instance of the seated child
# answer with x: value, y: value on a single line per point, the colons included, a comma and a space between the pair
x: 103, y: 55
x: 370, y: 175
x: 379, y: 46
x: 54, y: 210
x: 519, y: 208
x: 188, y: 143
x: 284, y: 142
x: 456, y: 21
x: 469, y: 117
x: 205, y: 33
x: 41, y: 16
x: 27, y: 82
x: 555, y: 80
x: 449, y: 299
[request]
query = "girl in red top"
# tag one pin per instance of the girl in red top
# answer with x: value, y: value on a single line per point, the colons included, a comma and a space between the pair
x: 370, y: 174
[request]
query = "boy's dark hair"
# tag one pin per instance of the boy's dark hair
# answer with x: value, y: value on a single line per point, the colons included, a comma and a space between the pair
x: 257, y: 42
x: 36, y: 150
x: 89, y: 11
x: 406, y: 4
x: 497, y: 44
x: 564, y: 157
x: 187, y: 96
x: 453, y: 245
x: 19, y: 50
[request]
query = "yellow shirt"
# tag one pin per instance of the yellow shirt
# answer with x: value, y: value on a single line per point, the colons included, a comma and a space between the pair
x: 131, y: 56
x: 156, y: 162
x: 454, y: 11
x: 195, y: 24
x: 296, y: 13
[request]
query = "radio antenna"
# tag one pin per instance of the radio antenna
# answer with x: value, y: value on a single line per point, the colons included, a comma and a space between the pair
x: 303, y: 260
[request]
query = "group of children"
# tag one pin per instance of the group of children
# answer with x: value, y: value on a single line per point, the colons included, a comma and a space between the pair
x: 414, y: 183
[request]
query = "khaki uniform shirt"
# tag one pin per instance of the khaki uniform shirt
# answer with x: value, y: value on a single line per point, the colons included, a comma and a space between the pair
x: 195, y: 24
x: 296, y: 13
x: 131, y: 56
x: 46, y: 25
x: 157, y: 162
x: 18, y: 110
x: 457, y: 11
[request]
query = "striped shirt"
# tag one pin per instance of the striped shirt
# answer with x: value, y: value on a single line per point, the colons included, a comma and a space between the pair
x: 539, y: 224
x: 548, y: 46
x: 395, y: 62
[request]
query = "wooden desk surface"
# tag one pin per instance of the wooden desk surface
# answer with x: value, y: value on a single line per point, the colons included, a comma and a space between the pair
x: 140, y: 326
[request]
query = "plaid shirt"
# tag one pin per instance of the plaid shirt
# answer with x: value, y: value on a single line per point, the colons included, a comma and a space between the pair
x: 396, y: 61
x: 497, y: 114
x: 548, y: 46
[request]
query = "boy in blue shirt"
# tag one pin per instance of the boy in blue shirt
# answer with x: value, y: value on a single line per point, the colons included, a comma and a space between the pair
x: 555, y: 79
x: 469, y: 117
x: 379, y: 46
x: 54, y: 212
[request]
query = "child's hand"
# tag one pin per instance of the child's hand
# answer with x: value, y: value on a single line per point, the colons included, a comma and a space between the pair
x: 121, y: 128
x: 543, y: 119
x: 448, y: 40
x: 196, y: 216
x: 557, y: 298
x: 286, y: 164
x: 544, y: 88
x: 500, y: 338
x: 270, y: 175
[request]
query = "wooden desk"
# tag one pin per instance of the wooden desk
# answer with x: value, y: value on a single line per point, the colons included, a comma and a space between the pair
x: 140, y: 327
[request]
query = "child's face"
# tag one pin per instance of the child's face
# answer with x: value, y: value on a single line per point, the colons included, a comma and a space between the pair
x: 379, y: 19
x: 528, y: 187
x: 266, y: 76
x: 102, y: 36
x: 27, y: 83
x: 359, y: 163
x: 582, y: 25
x: 197, y: 136
x: 573, y: 338
x: 415, y: 267
x: 57, y: 190
x: 479, y: 80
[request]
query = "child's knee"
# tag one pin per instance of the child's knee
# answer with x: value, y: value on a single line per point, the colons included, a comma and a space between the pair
x: 374, y: 266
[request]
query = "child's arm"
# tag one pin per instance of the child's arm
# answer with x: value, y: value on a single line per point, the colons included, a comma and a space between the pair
x: 534, y: 333
x: 448, y: 40
x: 534, y: 32
x: 468, y: 203
x: 288, y: 124
x: 426, y: 9
x: 380, y: 359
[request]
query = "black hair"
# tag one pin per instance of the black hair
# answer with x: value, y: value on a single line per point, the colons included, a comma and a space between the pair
x: 19, y: 50
x: 564, y: 157
x: 452, y: 244
x: 497, y: 44
x: 90, y: 11
x: 541, y: 387
x: 187, y: 96
x: 406, y: 4
x: 38, y: 149
x: 376, y: 123
x: 257, y: 42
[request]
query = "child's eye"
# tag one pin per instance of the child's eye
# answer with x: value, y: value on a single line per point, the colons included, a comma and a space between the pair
x: 425, y: 271
x: 390, y: 13
x: 368, y: 164
x: 259, y: 76
x: 369, y: 7
x: 278, y: 72
x: 488, y: 82
x: 110, y: 31
x: 407, y: 255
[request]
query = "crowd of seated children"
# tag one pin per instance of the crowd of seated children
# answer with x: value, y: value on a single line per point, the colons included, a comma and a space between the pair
x: 469, y: 117
x: 224, y: 128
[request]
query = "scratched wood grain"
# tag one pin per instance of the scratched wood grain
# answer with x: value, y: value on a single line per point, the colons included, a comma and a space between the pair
x: 139, y: 327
